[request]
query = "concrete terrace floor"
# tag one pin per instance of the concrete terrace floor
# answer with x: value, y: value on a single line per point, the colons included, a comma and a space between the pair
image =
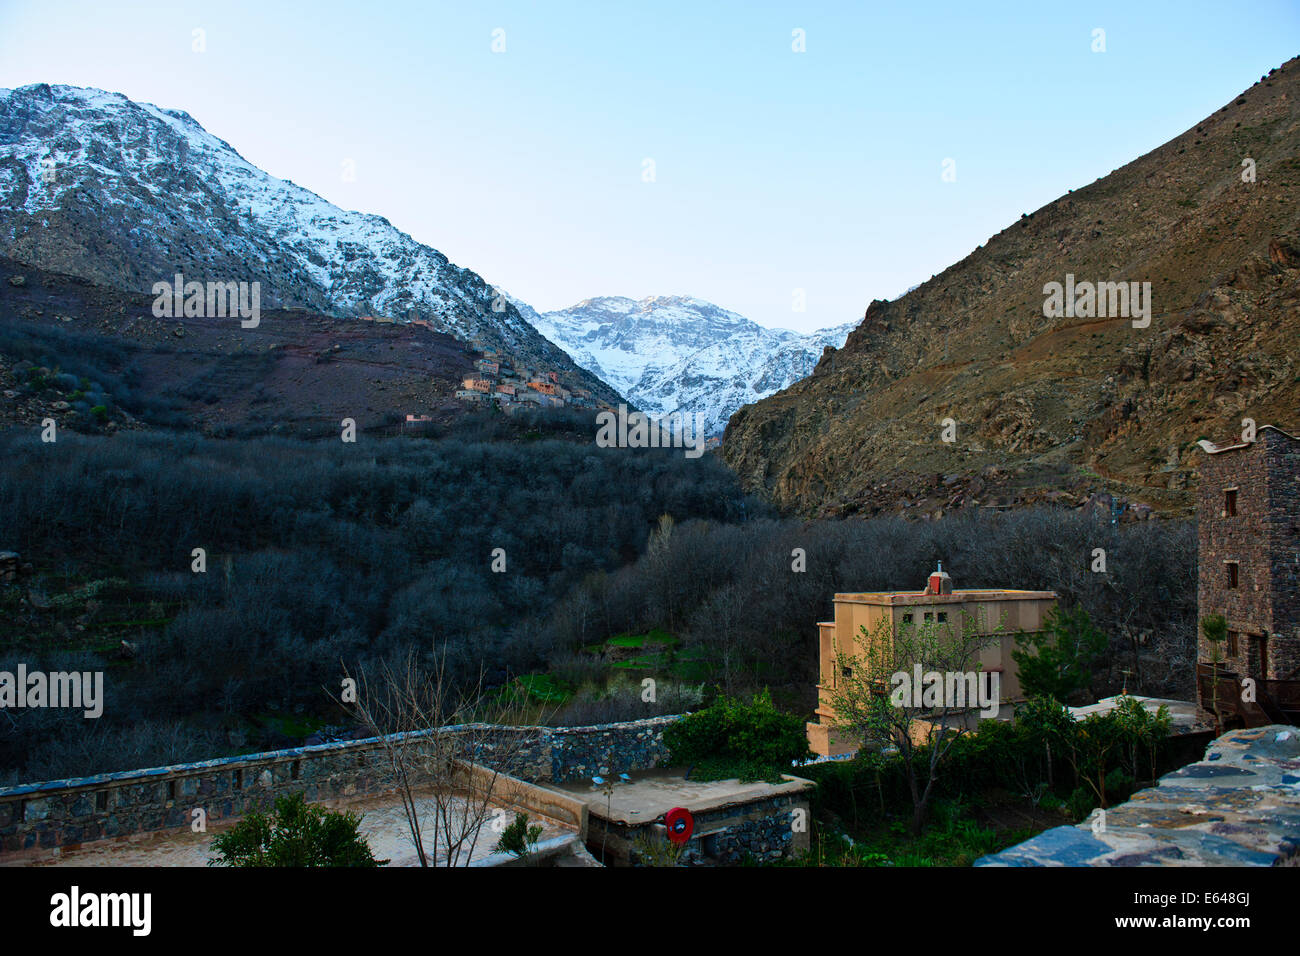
x: 384, y: 825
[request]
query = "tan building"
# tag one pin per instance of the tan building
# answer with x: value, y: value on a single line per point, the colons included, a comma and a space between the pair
x: 993, y: 610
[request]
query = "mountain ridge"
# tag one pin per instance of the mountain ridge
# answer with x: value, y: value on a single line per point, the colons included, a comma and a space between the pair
x: 125, y: 194
x: 1052, y: 406
x: 678, y: 353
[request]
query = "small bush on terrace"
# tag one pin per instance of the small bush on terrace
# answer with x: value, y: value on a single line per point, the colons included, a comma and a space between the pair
x: 751, y: 739
x: 295, y: 834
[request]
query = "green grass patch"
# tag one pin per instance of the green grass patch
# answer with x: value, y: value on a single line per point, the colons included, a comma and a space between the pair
x: 643, y: 662
x: 294, y: 726
x: 544, y: 688
x: 653, y: 636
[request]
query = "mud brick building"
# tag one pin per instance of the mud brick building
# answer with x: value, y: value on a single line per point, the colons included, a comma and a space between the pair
x: 995, y: 612
x: 1249, y: 572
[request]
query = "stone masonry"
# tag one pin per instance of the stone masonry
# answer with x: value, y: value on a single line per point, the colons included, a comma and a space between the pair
x: 1240, y: 806
x: 64, y: 813
x: 1262, y: 540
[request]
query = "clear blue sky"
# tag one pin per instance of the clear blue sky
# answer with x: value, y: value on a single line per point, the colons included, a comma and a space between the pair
x: 774, y: 170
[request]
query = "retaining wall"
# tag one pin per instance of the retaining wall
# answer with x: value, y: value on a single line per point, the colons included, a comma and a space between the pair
x: 64, y: 813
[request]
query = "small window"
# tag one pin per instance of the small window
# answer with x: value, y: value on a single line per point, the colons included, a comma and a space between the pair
x: 943, y: 616
x: 1230, y: 502
x: 239, y: 780
x: 907, y: 618
x: 1232, y: 643
x: 848, y: 673
x: 1233, y: 574
x: 294, y: 769
x: 101, y: 800
x: 171, y: 789
x: 929, y: 616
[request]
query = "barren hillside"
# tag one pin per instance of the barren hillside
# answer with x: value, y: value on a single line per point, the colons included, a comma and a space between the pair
x: 1059, y: 408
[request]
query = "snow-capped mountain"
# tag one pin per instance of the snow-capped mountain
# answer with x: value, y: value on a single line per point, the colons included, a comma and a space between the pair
x: 675, y: 353
x: 128, y: 194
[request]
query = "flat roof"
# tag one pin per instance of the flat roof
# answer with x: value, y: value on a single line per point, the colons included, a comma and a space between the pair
x: 652, y: 793
x: 1210, y: 448
x: 921, y: 597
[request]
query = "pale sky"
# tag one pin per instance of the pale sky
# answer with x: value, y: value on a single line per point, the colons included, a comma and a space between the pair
x: 774, y: 170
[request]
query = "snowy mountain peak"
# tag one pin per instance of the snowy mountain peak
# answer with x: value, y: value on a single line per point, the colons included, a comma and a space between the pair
x: 678, y: 353
x: 126, y: 194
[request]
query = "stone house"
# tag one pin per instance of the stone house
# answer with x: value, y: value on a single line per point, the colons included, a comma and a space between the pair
x: 1248, y: 527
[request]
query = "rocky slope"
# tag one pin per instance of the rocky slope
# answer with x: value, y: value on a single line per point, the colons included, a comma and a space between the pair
x: 1061, y: 407
x: 676, y: 353
x: 94, y: 358
x: 127, y: 194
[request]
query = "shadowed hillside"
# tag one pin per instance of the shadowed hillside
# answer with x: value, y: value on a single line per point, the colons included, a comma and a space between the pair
x: 68, y: 347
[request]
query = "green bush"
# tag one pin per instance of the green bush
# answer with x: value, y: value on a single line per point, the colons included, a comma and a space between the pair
x: 519, y: 838
x: 297, y: 833
x: 1056, y: 661
x: 733, y: 737
x: 1081, y: 802
x: 1081, y: 759
x: 1119, y: 786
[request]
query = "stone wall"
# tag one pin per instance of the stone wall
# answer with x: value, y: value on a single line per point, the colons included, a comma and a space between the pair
x: 764, y: 824
x: 1263, y: 538
x: 579, y: 753
x: 64, y: 813
x: 1240, y: 806
x: 766, y: 831
x: 1284, y: 541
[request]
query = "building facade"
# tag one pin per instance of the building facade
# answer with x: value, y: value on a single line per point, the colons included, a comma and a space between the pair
x: 1248, y: 526
x: 997, y: 612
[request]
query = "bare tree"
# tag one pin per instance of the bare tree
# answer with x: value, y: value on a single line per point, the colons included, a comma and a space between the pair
x: 923, y: 730
x: 447, y: 752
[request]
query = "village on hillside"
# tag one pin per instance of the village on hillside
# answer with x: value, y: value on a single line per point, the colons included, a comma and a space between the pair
x: 500, y: 381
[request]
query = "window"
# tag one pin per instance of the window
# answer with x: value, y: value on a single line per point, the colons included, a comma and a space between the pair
x: 1232, y: 643
x: 1230, y: 502
x: 1233, y: 575
x: 848, y: 673
x: 907, y: 618
x: 943, y: 616
x: 929, y: 616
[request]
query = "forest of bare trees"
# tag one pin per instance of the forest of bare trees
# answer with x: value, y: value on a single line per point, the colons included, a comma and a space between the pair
x: 323, y: 557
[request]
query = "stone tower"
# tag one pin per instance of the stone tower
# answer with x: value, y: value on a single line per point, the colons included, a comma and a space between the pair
x: 1248, y: 523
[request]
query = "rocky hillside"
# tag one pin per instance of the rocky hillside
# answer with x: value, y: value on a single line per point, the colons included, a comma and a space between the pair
x: 1064, y: 407
x: 127, y: 194
x: 676, y: 353
x: 94, y: 358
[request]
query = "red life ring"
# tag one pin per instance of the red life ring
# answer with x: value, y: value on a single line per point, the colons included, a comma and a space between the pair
x: 680, y: 824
